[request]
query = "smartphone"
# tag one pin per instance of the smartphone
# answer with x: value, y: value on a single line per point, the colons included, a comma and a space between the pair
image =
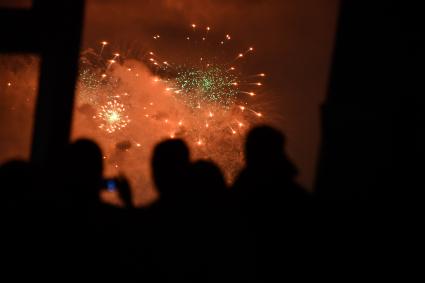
x: 111, y: 185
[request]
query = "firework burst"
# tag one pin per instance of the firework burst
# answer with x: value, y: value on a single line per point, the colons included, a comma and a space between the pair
x: 209, y: 85
x: 210, y: 81
x: 203, y: 97
x: 112, y: 116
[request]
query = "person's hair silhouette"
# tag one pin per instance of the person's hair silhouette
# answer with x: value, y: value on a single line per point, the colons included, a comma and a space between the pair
x: 207, y: 184
x: 264, y: 148
x: 170, y: 164
x: 269, y: 175
x: 84, y: 171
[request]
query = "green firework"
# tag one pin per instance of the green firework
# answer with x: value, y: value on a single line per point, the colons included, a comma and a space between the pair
x: 213, y: 84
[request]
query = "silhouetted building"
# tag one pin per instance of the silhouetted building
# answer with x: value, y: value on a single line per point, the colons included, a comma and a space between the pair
x: 369, y: 140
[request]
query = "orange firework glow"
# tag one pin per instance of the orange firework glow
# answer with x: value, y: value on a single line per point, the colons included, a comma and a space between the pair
x: 139, y: 102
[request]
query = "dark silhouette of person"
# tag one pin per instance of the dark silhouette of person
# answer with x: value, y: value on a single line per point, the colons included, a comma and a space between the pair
x: 84, y: 173
x: 269, y: 217
x: 16, y: 200
x: 207, y: 184
x: 211, y: 200
x: 170, y: 165
x: 16, y: 181
x: 269, y: 175
x: 90, y: 227
x: 171, y: 226
x: 127, y: 231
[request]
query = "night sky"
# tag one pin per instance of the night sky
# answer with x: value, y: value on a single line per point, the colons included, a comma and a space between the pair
x: 293, y: 42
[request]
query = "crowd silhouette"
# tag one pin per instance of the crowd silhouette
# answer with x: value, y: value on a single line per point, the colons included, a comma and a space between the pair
x: 199, y: 230
x: 264, y: 227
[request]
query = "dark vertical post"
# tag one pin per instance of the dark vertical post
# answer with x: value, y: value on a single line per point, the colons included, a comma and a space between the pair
x: 59, y: 35
x: 357, y: 114
x: 367, y: 139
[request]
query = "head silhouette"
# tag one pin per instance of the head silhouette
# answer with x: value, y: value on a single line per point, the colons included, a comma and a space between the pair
x: 170, y: 163
x: 264, y: 144
x: 16, y: 179
x: 85, y: 170
x: 207, y: 180
x: 264, y: 151
x: 269, y: 176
